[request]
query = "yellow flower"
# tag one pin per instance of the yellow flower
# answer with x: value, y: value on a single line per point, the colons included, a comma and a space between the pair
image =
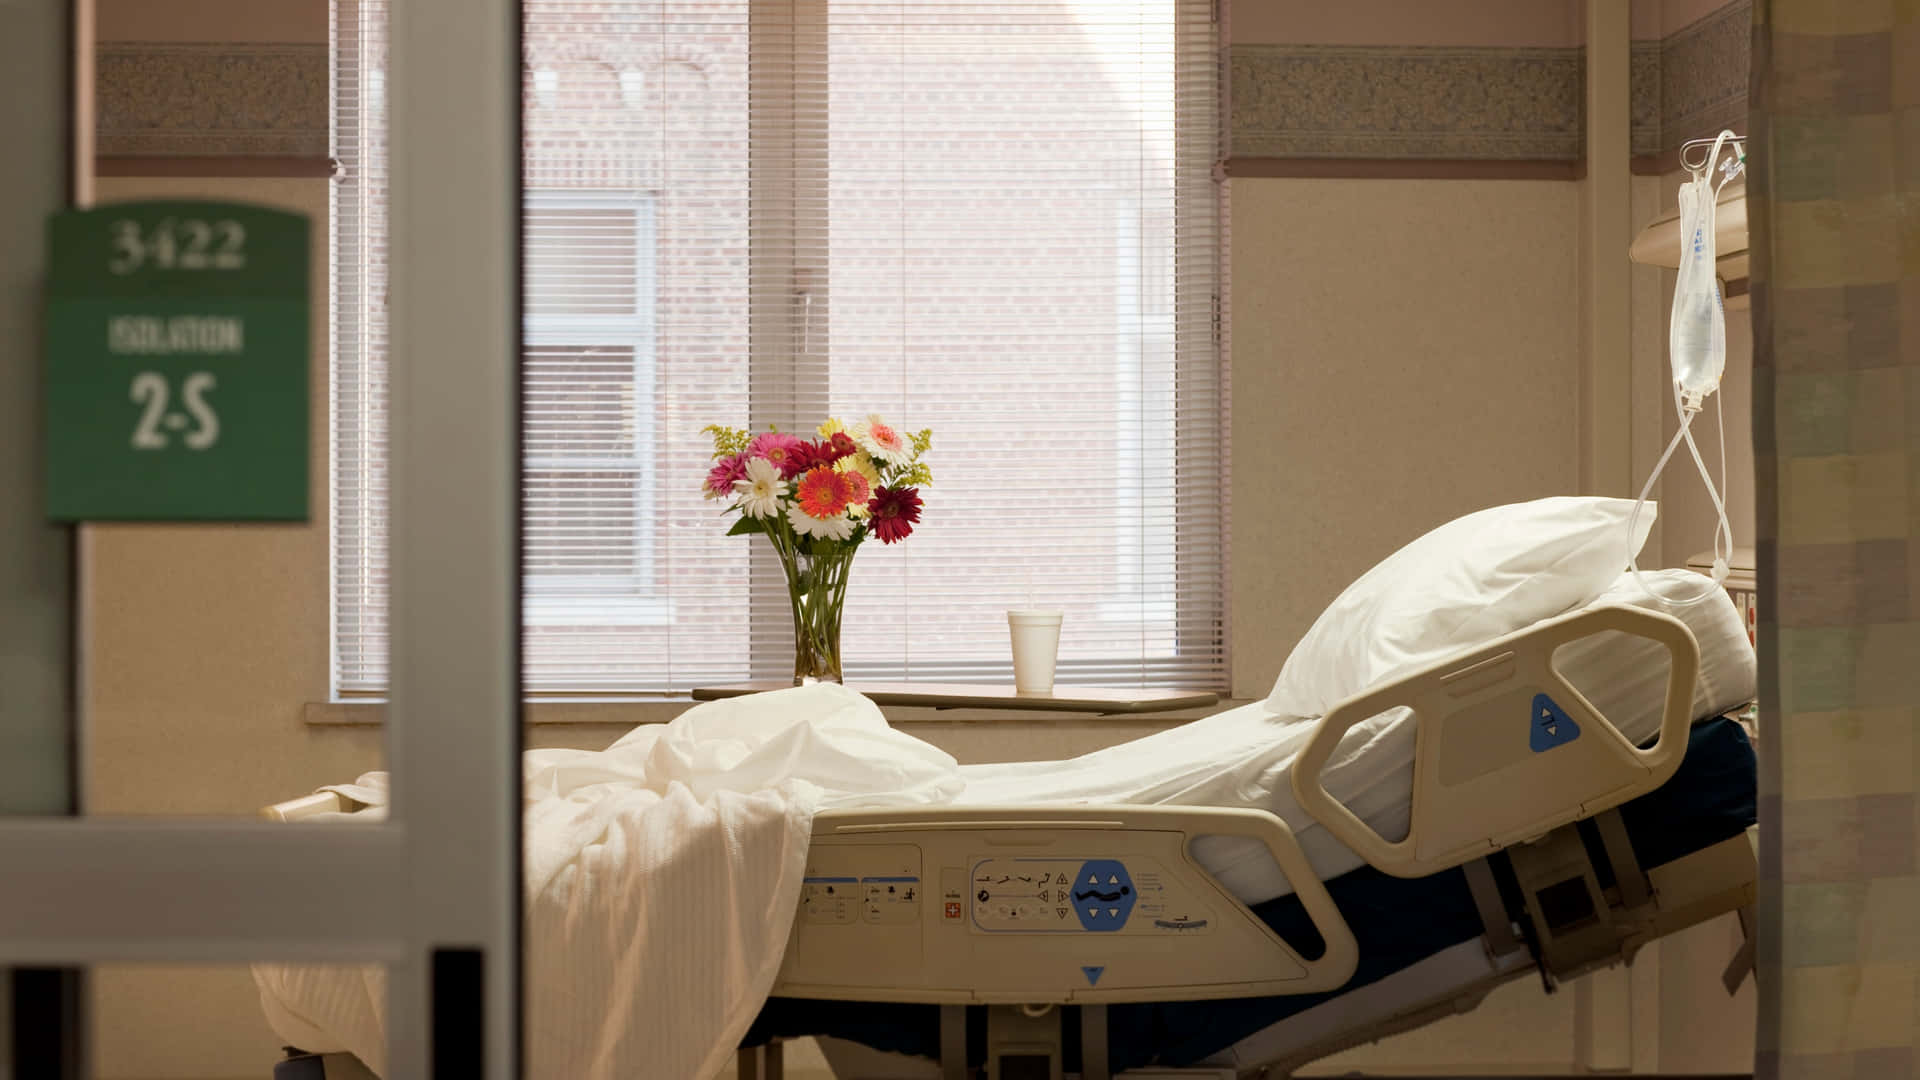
x: 829, y: 427
x: 862, y: 464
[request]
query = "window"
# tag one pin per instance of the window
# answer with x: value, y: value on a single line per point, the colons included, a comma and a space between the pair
x: 589, y: 366
x: 993, y: 218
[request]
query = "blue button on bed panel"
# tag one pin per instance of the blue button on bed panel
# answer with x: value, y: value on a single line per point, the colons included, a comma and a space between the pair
x: 1549, y: 725
x: 1103, y: 895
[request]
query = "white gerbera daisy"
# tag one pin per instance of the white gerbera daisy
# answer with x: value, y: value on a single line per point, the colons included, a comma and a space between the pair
x: 837, y: 527
x: 761, y: 490
x: 881, y: 440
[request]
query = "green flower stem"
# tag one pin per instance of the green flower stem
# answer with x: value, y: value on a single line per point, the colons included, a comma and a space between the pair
x: 817, y: 589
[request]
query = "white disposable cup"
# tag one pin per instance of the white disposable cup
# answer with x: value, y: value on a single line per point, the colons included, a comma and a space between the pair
x: 1036, y: 645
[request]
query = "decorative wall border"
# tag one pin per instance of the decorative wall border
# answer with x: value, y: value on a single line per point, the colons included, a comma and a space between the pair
x: 167, y: 100
x: 1336, y: 101
x: 1703, y: 76
x: 1496, y: 104
x: 1289, y: 102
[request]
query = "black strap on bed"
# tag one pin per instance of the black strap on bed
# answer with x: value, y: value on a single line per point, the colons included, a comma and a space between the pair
x: 1532, y: 938
x: 953, y: 1042
x: 1741, y: 965
x: 1500, y: 938
x: 1093, y: 1043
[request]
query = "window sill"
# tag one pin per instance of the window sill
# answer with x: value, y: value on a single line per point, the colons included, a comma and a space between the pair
x: 629, y: 712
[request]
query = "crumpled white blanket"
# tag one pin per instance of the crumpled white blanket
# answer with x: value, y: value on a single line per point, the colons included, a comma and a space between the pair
x: 662, y: 874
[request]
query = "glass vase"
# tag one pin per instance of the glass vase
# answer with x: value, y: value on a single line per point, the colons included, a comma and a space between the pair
x: 817, y: 587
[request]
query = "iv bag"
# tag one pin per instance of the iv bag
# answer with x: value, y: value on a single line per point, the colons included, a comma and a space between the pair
x: 1697, y: 332
x: 1697, y: 344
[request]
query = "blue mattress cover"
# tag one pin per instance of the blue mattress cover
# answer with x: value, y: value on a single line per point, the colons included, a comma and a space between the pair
x: 1398, y: 922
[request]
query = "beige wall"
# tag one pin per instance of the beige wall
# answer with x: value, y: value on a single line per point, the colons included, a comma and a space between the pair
x: 1404, y: 351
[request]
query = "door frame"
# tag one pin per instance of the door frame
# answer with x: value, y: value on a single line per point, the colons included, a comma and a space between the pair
x: 434, y: 892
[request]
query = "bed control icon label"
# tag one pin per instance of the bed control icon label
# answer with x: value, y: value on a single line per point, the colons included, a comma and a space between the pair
x: 830, y: 900
x: 890, y: 901
x: 1551, y: 726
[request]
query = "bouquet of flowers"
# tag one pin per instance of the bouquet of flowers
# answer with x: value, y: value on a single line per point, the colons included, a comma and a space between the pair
x: 816, y: 501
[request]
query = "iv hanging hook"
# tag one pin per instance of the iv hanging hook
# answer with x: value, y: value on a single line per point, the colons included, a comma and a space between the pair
x: 1694, y: 162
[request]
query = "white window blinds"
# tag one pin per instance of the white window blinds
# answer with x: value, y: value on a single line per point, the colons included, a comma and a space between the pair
x: 993, y: 218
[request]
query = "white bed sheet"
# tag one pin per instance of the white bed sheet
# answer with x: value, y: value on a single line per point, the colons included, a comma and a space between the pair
x: 1244, y: 756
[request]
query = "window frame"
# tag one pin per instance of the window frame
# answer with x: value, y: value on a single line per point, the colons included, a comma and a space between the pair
x: 789, y: 124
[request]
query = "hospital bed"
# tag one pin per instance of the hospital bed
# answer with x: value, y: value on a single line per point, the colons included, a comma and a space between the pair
x: 1046, y: 940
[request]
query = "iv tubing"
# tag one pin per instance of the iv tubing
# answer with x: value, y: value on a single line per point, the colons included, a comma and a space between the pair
x: 1722, y: 532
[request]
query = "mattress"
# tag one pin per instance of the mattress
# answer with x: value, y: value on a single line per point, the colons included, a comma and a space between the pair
x: 1244, y: 756
x: 1396, y: 921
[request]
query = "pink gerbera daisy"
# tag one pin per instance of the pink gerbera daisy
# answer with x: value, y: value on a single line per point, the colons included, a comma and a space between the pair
x: 895, y: 510
x: 721, y: 477
x: 822, y: 493
x: 858, y: 491
x: 882, y: 440
x: 777, y: 447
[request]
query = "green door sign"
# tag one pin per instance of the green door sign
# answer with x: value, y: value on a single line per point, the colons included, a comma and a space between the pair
x: 176, y: 377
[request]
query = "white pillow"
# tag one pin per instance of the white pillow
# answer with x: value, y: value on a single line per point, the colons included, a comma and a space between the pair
x: 1465, y: 583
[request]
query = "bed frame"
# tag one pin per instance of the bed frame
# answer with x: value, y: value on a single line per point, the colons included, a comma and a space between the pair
x: 1509, y: 756
x: 958, y: 906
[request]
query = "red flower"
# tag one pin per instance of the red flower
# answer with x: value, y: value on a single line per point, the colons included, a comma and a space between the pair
x: 803, y: 458
x: 894, y: 510
x: 841, y: 445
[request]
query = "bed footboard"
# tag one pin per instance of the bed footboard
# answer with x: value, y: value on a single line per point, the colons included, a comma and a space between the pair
x: 306, y: 806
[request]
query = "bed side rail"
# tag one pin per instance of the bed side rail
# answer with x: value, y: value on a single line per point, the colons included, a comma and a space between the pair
x: 1046, y: 905
x: 306, y: 806
x: 1507, y: 750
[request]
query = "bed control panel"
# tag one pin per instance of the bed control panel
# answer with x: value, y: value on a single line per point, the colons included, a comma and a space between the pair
x: 1084, y: 895
x: 1041, y: 905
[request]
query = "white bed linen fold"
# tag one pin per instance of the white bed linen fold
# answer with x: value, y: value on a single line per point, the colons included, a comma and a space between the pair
x: 662, y: 875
